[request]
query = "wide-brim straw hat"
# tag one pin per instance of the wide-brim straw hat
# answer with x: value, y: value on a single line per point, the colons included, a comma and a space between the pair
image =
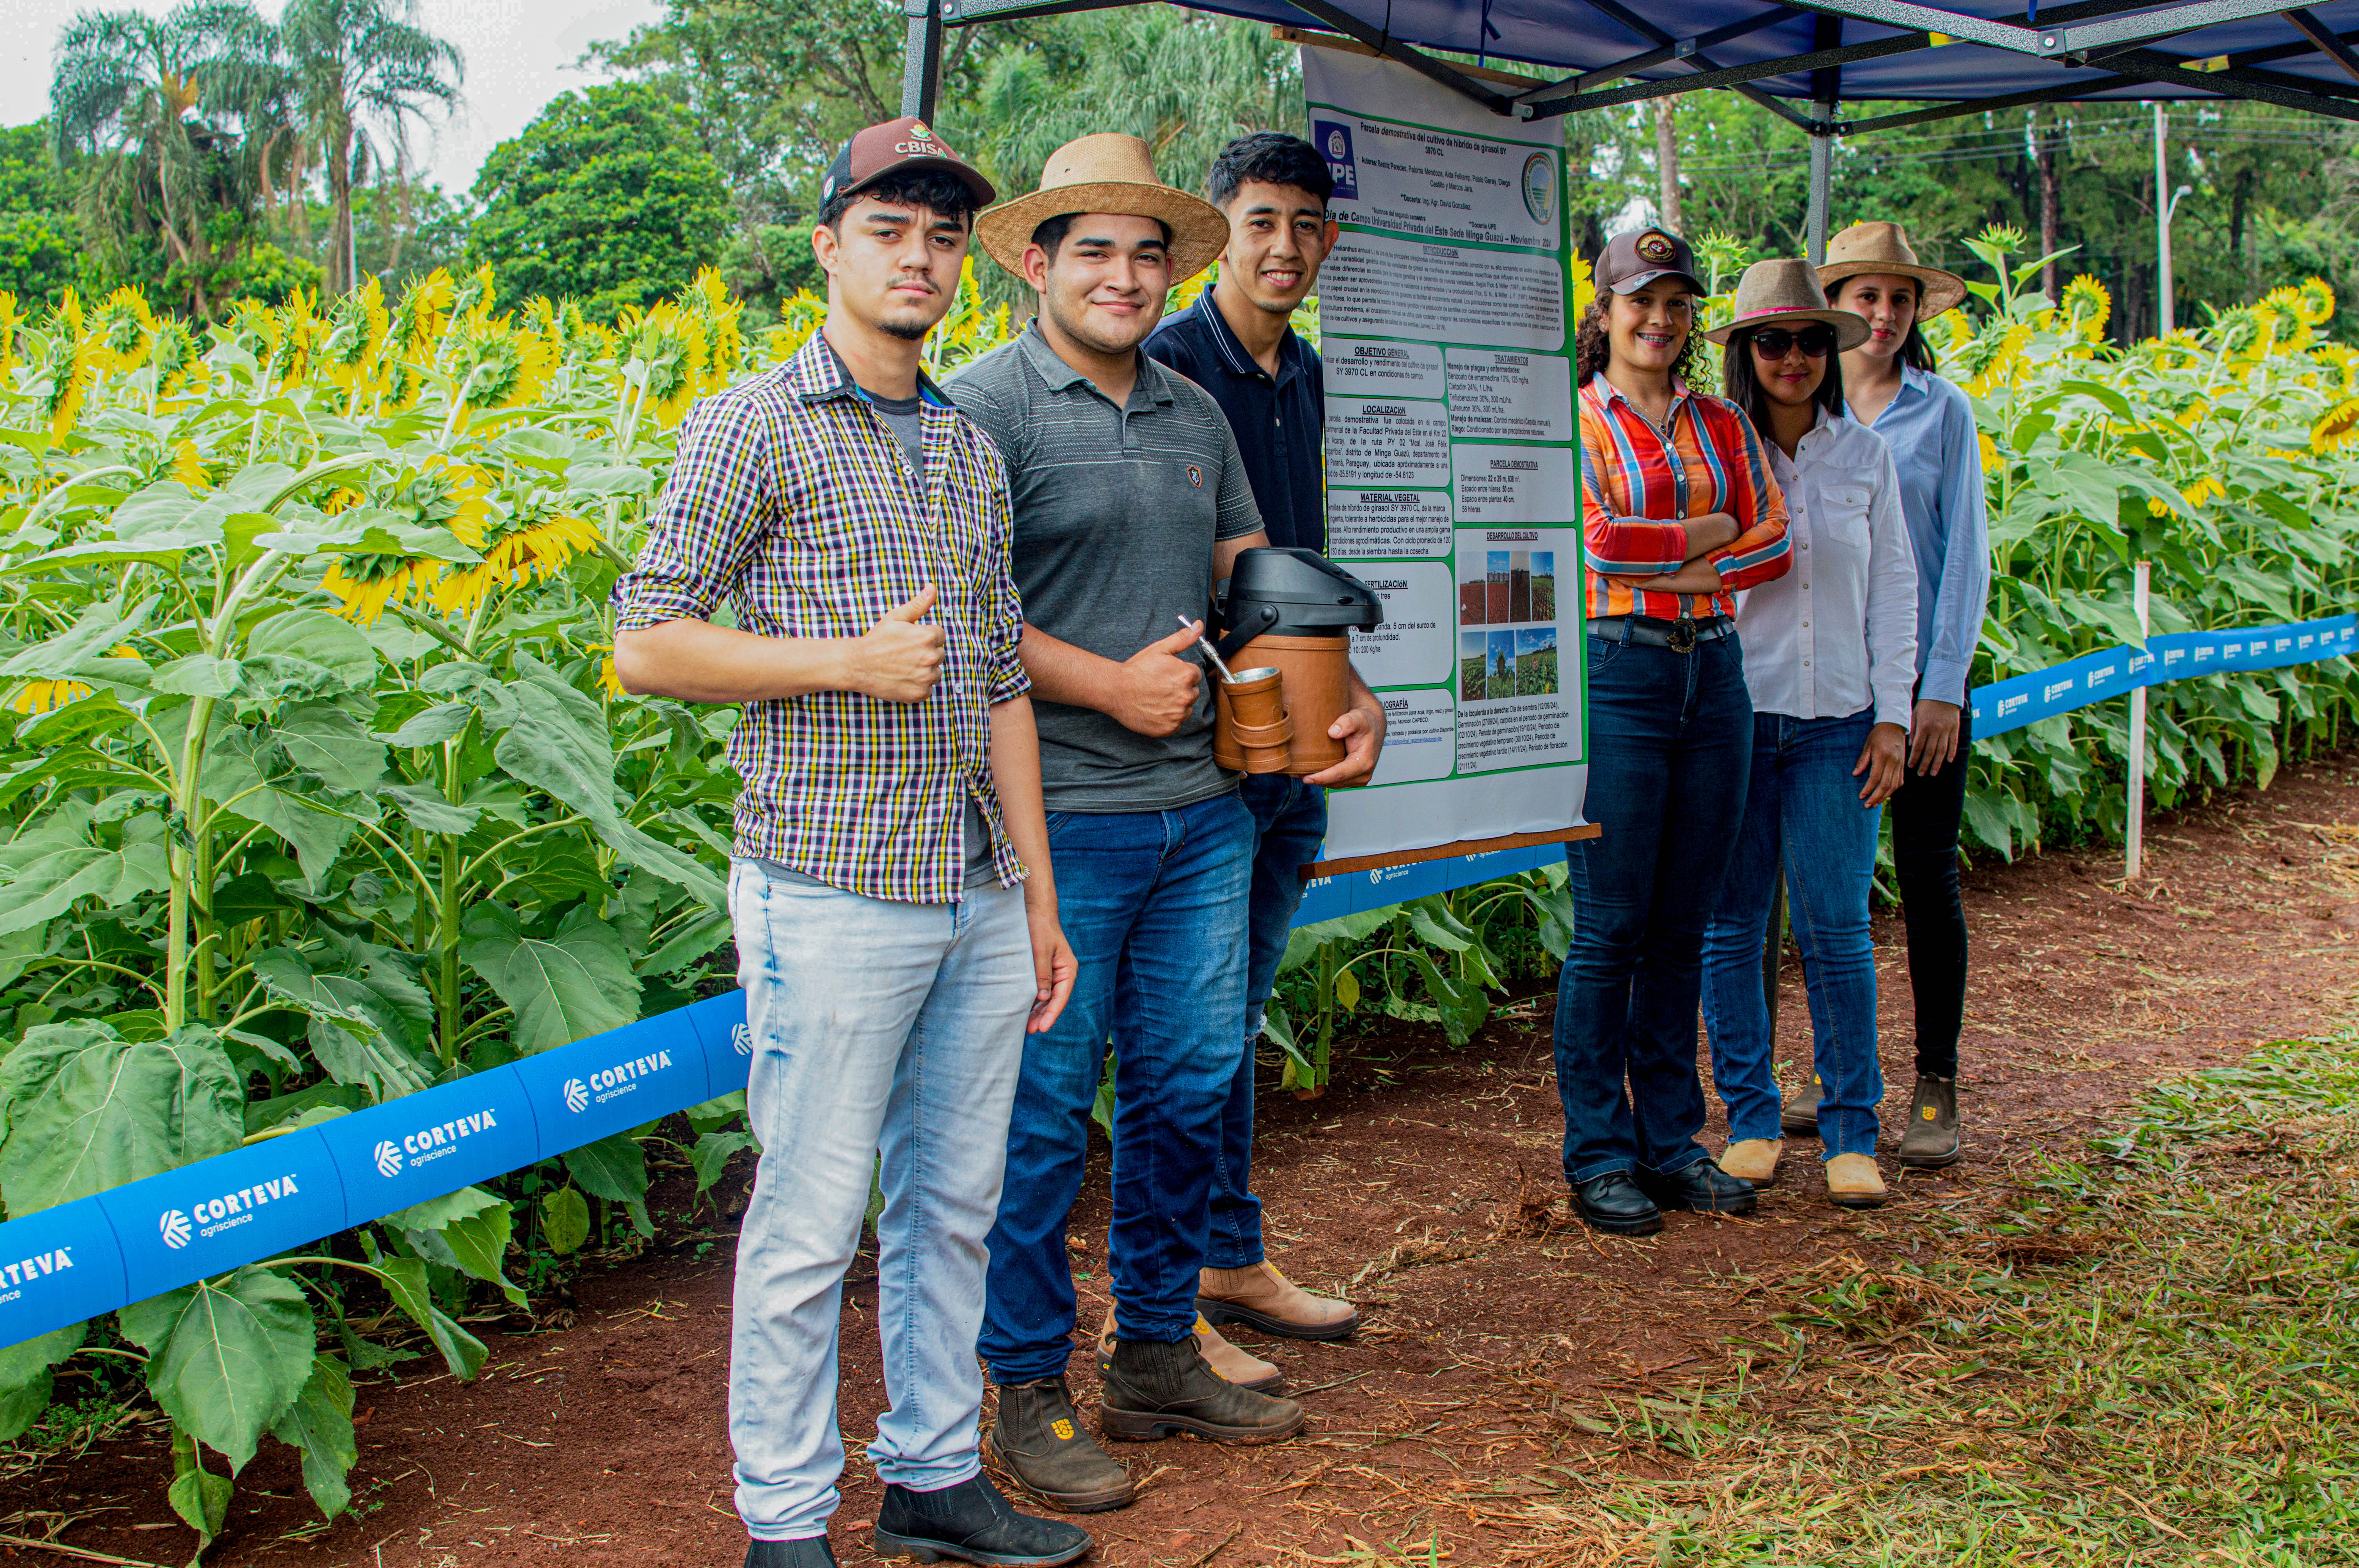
x: 1108, y: 172
x: 1884, y: 248
x: 1787, y: 294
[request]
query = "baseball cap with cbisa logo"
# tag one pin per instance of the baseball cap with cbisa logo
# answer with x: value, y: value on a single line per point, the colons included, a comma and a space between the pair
x: 896, y: 145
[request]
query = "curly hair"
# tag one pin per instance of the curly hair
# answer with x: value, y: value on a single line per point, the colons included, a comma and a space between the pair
x: 1593, y: 345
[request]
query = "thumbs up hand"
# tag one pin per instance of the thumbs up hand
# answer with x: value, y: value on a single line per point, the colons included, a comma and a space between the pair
x: 1159, y: 688
x: 899, y: 659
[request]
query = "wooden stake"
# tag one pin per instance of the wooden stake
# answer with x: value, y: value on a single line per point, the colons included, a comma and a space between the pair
x: 2137, y: 834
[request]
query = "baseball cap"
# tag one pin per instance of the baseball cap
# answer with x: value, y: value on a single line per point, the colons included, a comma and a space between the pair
x: 1635, y: 259
x: 897, y: 144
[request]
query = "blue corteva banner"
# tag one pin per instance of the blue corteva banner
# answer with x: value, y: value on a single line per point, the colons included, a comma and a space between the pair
x: 80, y: 1259
x: 2019, y: 700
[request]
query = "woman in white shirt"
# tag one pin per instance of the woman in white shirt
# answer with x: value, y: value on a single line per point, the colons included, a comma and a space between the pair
x: 1830, y: 661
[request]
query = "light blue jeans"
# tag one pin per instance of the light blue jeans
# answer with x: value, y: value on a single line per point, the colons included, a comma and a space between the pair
x: 1802, y: 793
x: 876, y: 1027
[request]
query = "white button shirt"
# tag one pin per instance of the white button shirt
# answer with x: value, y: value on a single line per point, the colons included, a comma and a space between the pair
x: 1839, y: 630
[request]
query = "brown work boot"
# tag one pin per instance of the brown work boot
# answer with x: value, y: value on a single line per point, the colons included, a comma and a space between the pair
x: 1799, y: 1117
x: 1154, y: 1389
x: 1753, y: 1159
x: 1853, y: 1181
x: 1239, y: 1366
x: 1262, y: 1298
x: 1932, y: 1141
x: 1039, y: 1441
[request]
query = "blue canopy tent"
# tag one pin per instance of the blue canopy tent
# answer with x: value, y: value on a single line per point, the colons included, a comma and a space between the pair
x: 1804, y: 60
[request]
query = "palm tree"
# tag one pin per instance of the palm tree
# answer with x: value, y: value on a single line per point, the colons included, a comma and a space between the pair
x: 360, y: 73
x: 143, y: 98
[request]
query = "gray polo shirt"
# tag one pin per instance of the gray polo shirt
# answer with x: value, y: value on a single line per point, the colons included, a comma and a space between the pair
x: 1117, y: 514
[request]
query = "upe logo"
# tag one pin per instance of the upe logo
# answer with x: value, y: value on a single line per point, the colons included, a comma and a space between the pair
x: 1334, y: 143
x: 388, y: 1159
x: 1540, y: 187
x: 577, y: 1095
x: 741, y: 1039
x: 213, y: 1216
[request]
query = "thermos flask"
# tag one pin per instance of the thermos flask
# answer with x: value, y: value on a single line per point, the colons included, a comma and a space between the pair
x: 1291, y: 611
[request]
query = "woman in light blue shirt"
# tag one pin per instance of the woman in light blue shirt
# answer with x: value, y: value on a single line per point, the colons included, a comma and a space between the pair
x: 1927, y: 422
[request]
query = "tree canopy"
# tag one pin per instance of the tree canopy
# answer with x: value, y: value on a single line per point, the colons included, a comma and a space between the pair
x: 606, y: 196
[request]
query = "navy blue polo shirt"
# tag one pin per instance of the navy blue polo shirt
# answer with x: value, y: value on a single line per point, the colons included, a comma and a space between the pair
x: 1279, y: 424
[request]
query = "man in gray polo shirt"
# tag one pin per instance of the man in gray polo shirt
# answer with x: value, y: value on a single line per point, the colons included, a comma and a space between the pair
x: 1130, y: 500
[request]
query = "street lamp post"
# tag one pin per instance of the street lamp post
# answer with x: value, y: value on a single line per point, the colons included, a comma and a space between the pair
x: 2164, y: 208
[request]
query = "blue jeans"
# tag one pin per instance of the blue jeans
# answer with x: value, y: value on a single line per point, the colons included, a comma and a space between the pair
x: 1802, y: 793
x: 1290, y: 818
x: 1155, y: 905
x: 1670, y: 741
x: 876, y: 1027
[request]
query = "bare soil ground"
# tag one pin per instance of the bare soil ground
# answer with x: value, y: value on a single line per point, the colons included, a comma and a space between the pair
x: 1425, y: 1185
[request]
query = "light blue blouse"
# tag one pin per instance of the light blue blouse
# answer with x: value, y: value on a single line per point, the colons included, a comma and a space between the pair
x: 1930, y: 426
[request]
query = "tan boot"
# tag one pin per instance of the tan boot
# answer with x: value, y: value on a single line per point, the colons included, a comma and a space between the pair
x: 1753, y: 1159
x: 1247, y: 1371
x: 1853, y: 1181
x: 1262, y: 1298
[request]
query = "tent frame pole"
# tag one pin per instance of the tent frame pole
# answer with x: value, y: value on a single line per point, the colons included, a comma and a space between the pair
x: 922, y: 58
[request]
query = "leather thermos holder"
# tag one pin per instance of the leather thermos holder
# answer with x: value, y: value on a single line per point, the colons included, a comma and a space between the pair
x: 1250, y: 726
x: 1314, y: 679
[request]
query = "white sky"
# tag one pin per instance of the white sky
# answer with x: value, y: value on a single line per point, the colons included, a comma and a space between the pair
x: 520, y: 54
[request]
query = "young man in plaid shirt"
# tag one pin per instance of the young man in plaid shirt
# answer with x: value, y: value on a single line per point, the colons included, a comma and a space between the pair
x: 895, y: 913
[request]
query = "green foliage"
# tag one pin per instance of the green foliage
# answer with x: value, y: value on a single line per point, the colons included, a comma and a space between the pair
x: 606, y: 196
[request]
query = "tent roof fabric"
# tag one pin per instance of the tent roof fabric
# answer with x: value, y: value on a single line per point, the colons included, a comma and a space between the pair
x: 1576, y: 36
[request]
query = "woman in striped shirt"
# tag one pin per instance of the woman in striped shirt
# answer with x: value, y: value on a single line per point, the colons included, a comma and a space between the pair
x: 1678, y: 513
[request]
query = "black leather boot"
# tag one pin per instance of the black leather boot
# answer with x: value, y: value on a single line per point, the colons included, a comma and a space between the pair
x: 815, y: 1553
x: 1613, y: 1203
x: 1154, y: 1389
x: 1703, y: 1186
x: 1039, y: 1440
x: 972, y: 1523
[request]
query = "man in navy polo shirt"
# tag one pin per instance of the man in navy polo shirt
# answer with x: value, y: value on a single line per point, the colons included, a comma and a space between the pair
x: 1238, y: 343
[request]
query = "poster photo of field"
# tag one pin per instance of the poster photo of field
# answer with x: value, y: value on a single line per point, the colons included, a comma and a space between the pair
x: 1501, y: 670
x: 1536, y: 662
x: 1543, y: 585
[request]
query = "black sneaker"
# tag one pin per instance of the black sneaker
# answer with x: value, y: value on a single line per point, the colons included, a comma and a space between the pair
x: 971, y: 1522
x: 814, y: 1553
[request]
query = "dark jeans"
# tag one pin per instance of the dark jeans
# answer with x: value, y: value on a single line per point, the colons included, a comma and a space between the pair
x: 1925, y: 817
x: 1290, y: 819
x: 1154, y: 903
x: 1803, y: 816
x: 1670, y: 754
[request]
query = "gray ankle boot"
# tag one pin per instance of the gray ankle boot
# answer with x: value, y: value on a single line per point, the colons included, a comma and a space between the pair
x: 1933, y: 1139
x: 1799, y: 1116
x: 1154, y: 1389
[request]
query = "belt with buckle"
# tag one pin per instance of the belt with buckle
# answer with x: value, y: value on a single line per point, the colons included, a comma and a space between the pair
x: 1679, y: 636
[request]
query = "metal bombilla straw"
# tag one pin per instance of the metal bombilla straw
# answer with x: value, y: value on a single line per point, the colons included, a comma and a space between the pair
x: 1210, y: 651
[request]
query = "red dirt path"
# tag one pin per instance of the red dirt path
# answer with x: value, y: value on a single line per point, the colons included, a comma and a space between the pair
x: 605, y: 1442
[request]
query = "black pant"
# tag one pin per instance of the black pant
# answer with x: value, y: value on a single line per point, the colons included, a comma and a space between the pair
x: 1925, y: 817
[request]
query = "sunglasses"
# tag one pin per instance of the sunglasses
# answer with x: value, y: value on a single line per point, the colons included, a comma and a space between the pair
x: 1772, y: 343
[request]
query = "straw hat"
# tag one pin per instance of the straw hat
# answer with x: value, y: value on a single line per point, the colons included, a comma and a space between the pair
x: 1884, y: 247
x: 1106, y: 173
x: 1787, y: 294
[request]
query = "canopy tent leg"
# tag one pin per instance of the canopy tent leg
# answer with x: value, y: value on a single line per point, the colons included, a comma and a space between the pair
x: 1822, y: 183
x: 921, y: 65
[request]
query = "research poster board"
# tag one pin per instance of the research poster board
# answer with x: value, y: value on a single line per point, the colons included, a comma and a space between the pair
x: 1452, y: 476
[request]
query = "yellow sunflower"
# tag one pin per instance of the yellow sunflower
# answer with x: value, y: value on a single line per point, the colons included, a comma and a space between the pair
x: 608, y: 682
x: 73, y: 365
x: 418, y: 321
x: 2337, y: 428
x: 2203, y: 492
x: 349, y: 350
x: 1991, y: 459
x: 189, y: 466
x: 516, y: 552
x: 2313, y: 301
x: 1584, y: 287
x: 42, y: 695
x: 364, y: 584
x: 125, y: 328
x: 10, y: 320
x: 2005, y: 361
x: 2345, y: 360
x: 2289, y: 329
x: 2087, y: 307
x: 497, y: 367
x: 671, y: 344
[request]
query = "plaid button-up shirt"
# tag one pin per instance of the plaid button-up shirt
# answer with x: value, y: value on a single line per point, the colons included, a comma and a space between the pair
x: 1638, y: 481
x: 792, y: 499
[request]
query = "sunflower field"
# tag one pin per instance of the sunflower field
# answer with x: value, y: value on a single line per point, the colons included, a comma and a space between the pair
x: 317, y: 789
